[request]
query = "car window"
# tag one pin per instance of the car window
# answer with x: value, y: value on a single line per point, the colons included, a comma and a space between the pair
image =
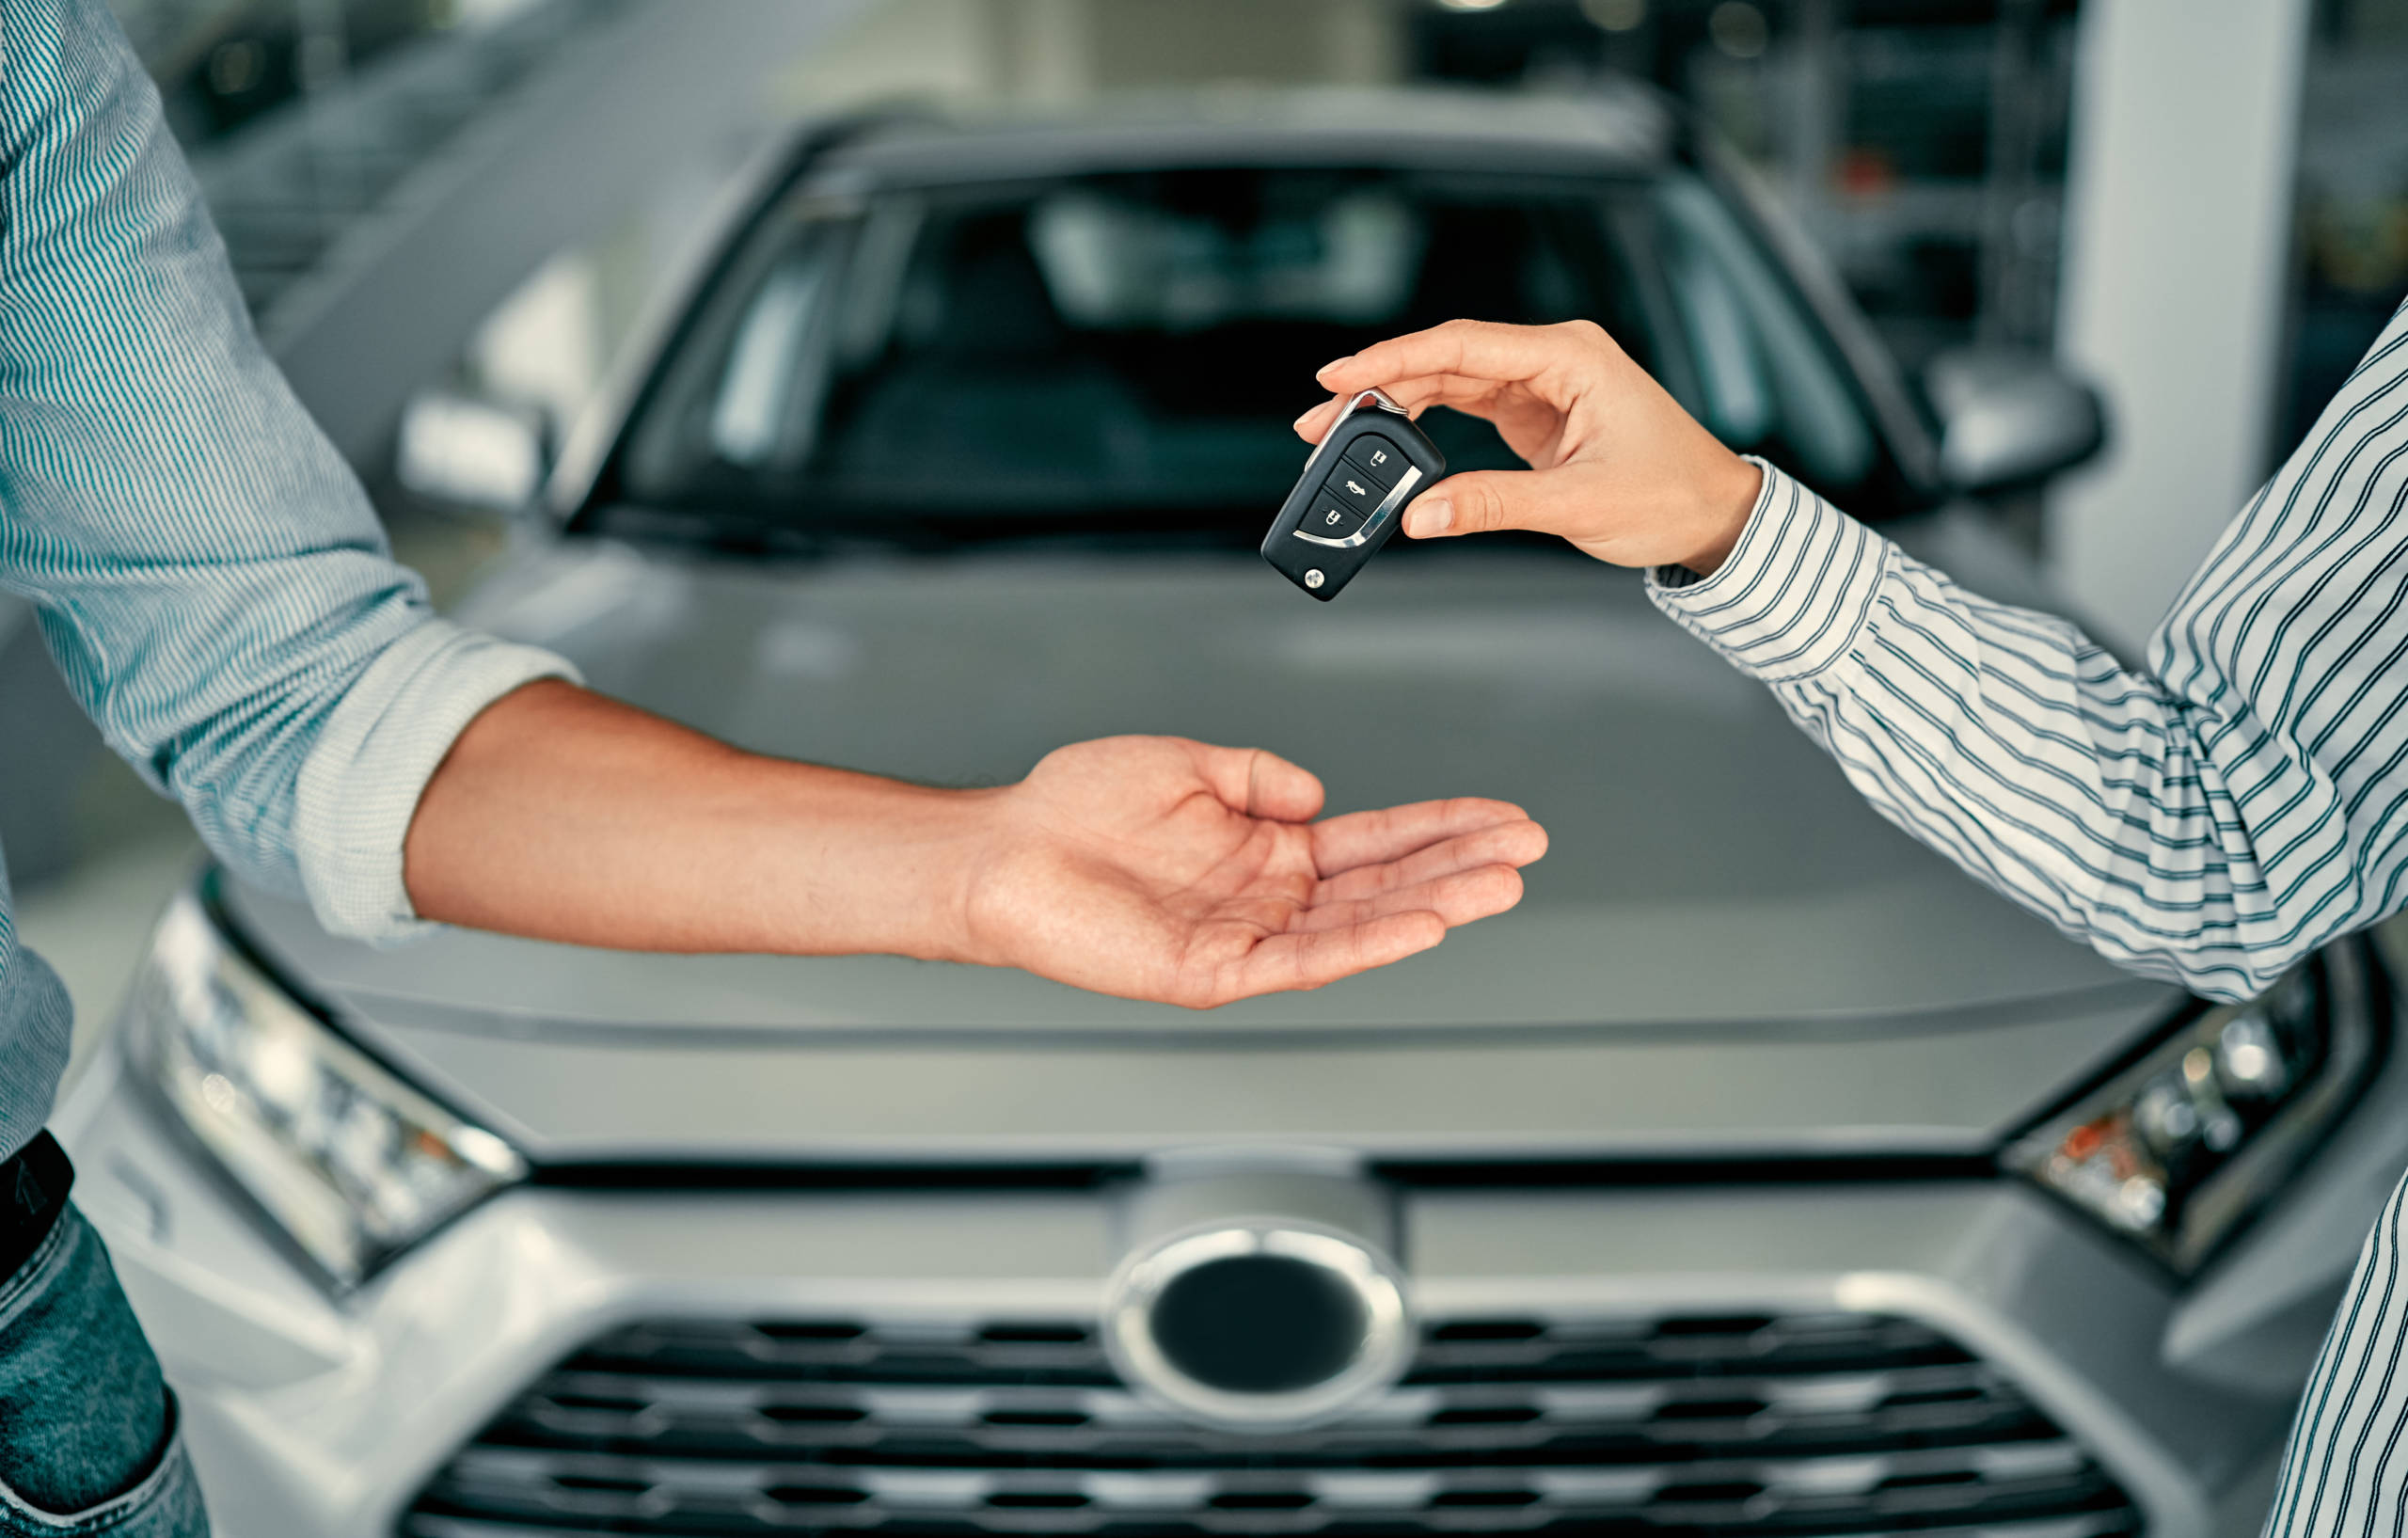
x: 1766, y: 379
x: 1097, y: 347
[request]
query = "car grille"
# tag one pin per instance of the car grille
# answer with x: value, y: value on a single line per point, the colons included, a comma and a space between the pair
x: 1824, y: 1423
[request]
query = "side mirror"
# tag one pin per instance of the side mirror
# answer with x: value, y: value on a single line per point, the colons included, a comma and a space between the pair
x: 469, y: 453
x: 2009, y: 419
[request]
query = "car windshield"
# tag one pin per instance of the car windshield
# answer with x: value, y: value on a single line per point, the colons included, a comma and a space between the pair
x: 1122, y: 353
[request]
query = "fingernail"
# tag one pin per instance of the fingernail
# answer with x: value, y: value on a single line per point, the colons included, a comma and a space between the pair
x: 1302, y: 415
x: 1433, y: 516
x: 1324, y: 370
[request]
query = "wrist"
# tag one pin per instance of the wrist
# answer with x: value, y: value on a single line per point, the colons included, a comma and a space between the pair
x: 1727, y: 499
x: 974, y: 853
x: 957, y: 840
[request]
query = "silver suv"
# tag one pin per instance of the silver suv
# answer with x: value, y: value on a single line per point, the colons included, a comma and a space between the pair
x: 1761, y: 1175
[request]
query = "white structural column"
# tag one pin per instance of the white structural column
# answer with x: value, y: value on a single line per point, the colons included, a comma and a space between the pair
x: 2178, y: 215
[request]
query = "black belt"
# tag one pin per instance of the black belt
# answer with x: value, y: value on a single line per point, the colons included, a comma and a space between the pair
x: 33, y: 1191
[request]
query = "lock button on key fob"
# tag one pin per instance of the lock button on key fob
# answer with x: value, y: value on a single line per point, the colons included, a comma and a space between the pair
x: 1352, y: 496
x: 1332, y: 519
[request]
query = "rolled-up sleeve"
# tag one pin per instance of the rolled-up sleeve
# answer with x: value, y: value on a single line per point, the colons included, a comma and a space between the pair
x: 211, y: 577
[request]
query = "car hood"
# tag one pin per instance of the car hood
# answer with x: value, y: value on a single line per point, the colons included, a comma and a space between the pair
x: 1718, y: 904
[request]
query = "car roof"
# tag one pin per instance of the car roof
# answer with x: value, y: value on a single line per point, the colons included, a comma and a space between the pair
x: 1614, y: 129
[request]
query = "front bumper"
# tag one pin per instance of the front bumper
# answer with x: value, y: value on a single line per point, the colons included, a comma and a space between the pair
x: 317, y: 1415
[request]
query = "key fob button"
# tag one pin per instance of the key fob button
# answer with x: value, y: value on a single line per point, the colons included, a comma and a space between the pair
x: 1331, y: 517
x: 1378, y: 461
x: 1352, y: 487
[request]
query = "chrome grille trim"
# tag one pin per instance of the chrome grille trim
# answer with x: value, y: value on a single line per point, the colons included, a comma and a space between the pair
x: 624, y: 1407
x: 1835, y: 1425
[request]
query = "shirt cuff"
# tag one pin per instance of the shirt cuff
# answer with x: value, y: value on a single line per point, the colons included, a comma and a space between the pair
x: 362, y: 783
x: 1794, y: 593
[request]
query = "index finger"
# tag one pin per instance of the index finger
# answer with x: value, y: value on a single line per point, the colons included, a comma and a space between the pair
x: 1481, y: 349
x: 1473, y: 397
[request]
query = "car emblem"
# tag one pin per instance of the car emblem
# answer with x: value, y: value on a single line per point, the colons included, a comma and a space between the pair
x: 1258, y: 1299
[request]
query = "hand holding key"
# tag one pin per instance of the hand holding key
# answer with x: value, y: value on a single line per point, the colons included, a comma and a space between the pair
x: 1616, y: 466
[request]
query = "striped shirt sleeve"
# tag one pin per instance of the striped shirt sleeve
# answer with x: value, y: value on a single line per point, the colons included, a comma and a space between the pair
x: 212, y: 580
x: 2210, y: 820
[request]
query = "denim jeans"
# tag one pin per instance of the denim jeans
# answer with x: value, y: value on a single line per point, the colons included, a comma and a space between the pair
x: 88, y: 1441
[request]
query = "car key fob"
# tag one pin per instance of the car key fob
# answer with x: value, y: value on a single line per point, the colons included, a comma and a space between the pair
x: 1354, y: 494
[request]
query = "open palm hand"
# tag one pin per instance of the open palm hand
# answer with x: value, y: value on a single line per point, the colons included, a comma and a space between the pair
x: 1161, y: 868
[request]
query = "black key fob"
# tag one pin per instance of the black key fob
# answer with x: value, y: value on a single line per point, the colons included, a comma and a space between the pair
x: 1353, y: 496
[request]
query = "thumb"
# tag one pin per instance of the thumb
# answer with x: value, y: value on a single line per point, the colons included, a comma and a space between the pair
x: 1483, y: 501
x: 1258, y: 784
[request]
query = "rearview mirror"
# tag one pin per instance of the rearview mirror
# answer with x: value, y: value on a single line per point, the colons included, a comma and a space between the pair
x: 469, y: 453
x: 2010, y: 418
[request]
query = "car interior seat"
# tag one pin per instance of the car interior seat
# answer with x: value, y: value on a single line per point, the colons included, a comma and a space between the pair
x: 984, y: 386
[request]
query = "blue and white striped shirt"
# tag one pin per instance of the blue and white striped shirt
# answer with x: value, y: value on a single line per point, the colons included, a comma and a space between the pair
x: 2211, y: 820
x: 209, y: 576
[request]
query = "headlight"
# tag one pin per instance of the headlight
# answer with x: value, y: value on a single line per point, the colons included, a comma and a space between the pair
x: 350, y: 1161
x: 2182, y: 1146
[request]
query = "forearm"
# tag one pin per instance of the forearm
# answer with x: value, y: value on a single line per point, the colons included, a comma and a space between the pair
x: 2009, y: 742
x: 563, y: 815
x: 2215, y: 818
